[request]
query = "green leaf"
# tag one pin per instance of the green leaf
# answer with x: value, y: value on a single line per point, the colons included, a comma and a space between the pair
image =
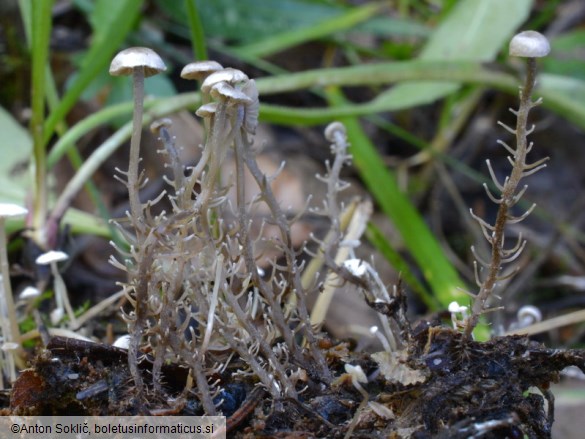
x: 373, y: 74
x: 112, y: 22
x: 196, y: 30
x: 284, y: 40
x: 248, y: 21
x: 566, y: 57
x: 16, y: 151
x: 564, y: 95
x: 475, y: 30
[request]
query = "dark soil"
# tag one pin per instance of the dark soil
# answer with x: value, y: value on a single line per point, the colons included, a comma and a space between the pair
x: 442, y: 387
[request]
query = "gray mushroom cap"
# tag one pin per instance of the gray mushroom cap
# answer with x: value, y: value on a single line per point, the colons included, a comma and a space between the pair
x: 207, y: 110
x: 229, y: 75
x: 127, y: 60
x: 224, y: 91
x: 529, y: 44
x: 200, y: 69
x: 160, y: 123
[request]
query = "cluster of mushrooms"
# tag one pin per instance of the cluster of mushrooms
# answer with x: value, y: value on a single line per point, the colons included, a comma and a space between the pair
x: 230, y: 103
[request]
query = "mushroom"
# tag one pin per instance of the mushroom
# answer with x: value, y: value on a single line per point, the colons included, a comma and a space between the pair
x: 454, y: 308
x: 51, y: 258
x: 140, y: 62
x: 528, y: 315
x: 199, y: 70
x: 225, y: 92
x: 334, y: 130
x: 229, y: 75
x: 122, y: 342
x: 207, y: 110
x: 29, y: 293
x: 9, y: 325
x: 529, y: 44
x: 358, y: 376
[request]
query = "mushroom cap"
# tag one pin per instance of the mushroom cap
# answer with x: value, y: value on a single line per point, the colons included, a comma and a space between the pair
x: 200, y: 69
x: 333, y: 128
x: 529, y: 311
x: 160, y: 123
x: 356, y: 372
x: 29, y: 292
x: 229, y: 75
x: 51, y: 256
x: 9, y: 210
x: 529, y: 44
x: 127, y: 60
x: 207, y: 110
x: 224, y: 91
x: 122, y: 342
x: 454, y: 307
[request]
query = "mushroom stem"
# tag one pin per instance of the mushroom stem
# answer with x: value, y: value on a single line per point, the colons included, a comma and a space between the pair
x: 63, y: 298
x: 133, y: 167
x: 9, y: 325
x: 10, y: 330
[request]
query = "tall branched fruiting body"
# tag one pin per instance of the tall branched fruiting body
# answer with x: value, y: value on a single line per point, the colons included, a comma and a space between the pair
x: 139, y: 62
x: 530, y: 45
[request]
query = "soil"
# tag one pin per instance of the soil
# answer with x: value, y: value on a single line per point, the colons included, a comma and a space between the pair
x: 439, y: 386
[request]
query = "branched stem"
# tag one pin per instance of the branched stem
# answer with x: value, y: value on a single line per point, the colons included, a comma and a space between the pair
x: 509, y: 197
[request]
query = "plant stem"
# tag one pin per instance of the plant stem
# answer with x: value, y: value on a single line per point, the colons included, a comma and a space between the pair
x: 41, y: 30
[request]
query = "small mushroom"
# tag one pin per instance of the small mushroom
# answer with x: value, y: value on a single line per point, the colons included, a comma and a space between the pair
x: 158, y: 124
x: 133, y: 60
x: 9, y: 325
x: 207, y: 110
x: 122, y: 342
x: 140, y: 62
x: 229, y: 75
x: 529, y: 44
x: 455, y: 309
x: 528, y: 315
x: 199, y: 70
x: 29, y: 293
x: 358, y: 376
x: 51, y: 258
x: 356, y: 372
x: 225, y: 92
x: 335, y: 129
